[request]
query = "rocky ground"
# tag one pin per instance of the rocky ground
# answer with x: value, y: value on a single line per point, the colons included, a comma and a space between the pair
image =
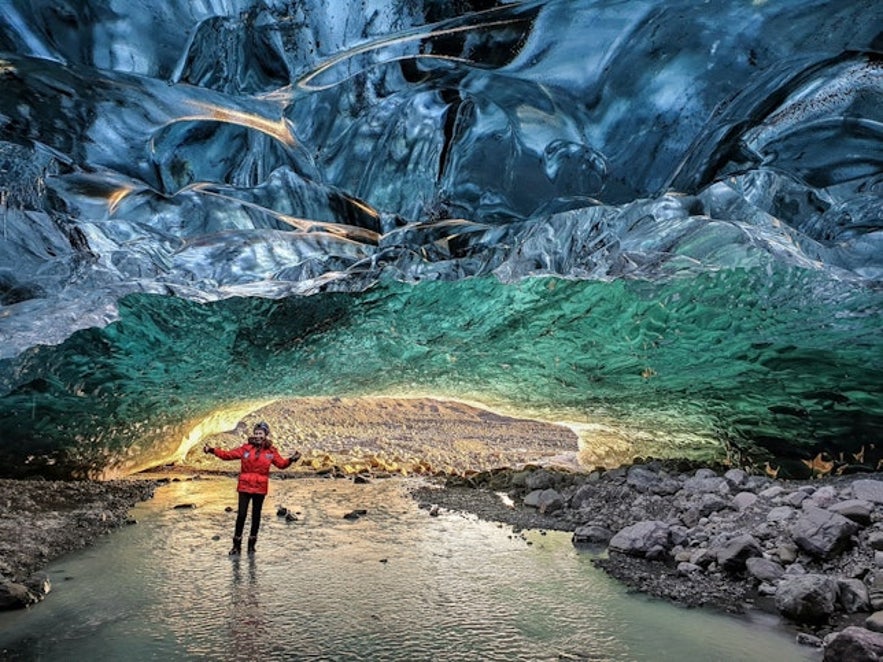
x: 720, y: 539
x: 44, y: 519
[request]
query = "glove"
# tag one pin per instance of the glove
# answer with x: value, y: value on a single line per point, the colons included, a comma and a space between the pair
x: 208, y: 449
x: 295, y: 457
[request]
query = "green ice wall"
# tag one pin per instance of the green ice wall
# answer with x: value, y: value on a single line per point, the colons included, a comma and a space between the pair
x: 770, y: 366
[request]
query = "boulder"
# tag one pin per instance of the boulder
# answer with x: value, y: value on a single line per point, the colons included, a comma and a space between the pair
x: 854, y: 644
x: 822, y: 533
x: 641, y: 539
x: 809, y: 598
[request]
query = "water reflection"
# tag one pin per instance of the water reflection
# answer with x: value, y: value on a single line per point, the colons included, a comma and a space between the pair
x: 394, y: 584
x: 247, y: 623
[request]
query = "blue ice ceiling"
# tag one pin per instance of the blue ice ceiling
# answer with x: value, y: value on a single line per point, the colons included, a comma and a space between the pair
x: 658, y: 221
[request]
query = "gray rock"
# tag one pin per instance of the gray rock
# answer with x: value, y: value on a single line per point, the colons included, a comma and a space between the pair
x: 686, y: 569
x: 757, y: 483
x: 641, y: 479
x: 795, y: 498
x: 857, y: 510
x: 786, y: 552
x: 712, y: 503
x: 641, y: 539
x: 15, y: 596
x: 546, y: 501
x: 822, y: 533
x: 593, y: 534
x: 690, y: 517
x: 854, y: 644
x: 540, y: 480
x: 732, y: 556
x: 824, y: 497
x: 875, y: 540
x: 771, y: 492
x: 875, y: 621
x: 781, y: 514
x: 39, y: 584
x: 744, y: 500
x: 666, y: 487
x: 854, y: 596
x: 585, y: 494
x: 766, y: 590
x: 807, y: 598
x: 703, y: 557
x: 875, y: 593
x: 706, y: 485
x: 736, y: 477
x: 764, y: 569
x: 868, y: 490
x: 806, y: 639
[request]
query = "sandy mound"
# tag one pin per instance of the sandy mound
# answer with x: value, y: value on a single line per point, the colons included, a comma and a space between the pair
x: 400, y: 435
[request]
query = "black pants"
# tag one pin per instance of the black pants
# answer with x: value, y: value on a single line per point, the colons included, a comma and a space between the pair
x: 257, y: 504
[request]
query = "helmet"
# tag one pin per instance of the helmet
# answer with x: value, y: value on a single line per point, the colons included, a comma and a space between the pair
x: 262, y: 426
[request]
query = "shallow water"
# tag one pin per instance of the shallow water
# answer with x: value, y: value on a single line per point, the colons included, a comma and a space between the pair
x: 395, y: 584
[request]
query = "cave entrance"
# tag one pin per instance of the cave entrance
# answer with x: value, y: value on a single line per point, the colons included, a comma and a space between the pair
x: 397, y: 435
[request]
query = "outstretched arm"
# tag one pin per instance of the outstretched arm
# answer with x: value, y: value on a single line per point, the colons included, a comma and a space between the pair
x: 220, y: 453
x: 284, y: 463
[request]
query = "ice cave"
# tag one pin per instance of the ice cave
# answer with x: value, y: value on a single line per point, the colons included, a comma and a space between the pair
x: 657, y: 222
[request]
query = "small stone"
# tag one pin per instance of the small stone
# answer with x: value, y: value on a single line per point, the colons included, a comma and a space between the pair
x: 874, y: 622
x: 806, y: 639
x: 875, y: 540
x: 744, y: 500
x: 868, y: 490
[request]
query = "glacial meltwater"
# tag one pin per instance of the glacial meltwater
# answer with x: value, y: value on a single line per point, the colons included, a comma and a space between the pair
x: 392, y: 584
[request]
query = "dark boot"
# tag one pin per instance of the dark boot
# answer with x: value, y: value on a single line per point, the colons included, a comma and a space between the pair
x: 252, y: 540
x: 237, y: 546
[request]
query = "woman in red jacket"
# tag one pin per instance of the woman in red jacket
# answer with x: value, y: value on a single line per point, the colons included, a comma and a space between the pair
x: 257, y: 455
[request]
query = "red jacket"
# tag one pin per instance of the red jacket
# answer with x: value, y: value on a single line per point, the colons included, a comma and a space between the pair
x: 254, y: 476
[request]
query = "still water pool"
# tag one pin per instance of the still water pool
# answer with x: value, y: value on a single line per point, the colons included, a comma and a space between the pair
x: 394, y: 584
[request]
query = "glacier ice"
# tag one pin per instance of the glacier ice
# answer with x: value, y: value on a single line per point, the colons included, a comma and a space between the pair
x: 334, y: 160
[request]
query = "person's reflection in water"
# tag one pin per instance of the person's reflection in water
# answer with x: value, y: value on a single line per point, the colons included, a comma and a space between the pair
x: 249, y: 631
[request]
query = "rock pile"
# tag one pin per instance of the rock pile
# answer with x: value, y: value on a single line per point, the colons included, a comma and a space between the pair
x: 812, y: 551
